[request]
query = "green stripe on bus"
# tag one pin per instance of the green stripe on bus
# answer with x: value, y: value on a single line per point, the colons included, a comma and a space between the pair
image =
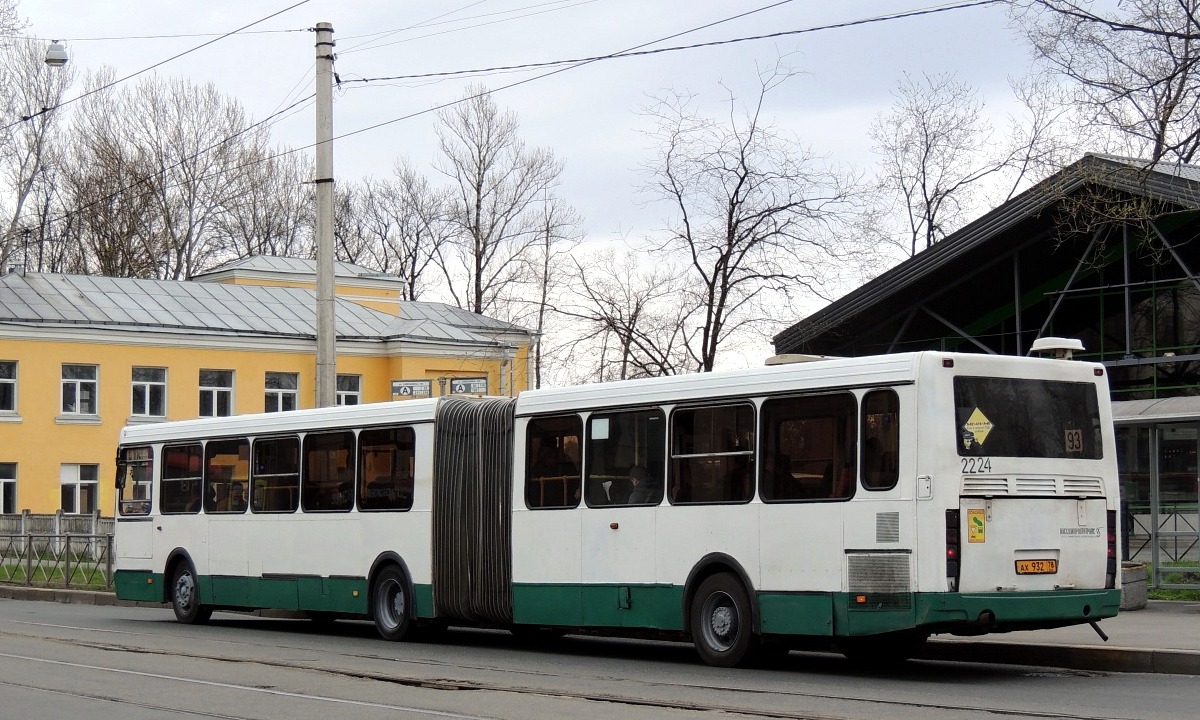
x: 795, y: 613
x: 138, y: 585
x: 656, y: 607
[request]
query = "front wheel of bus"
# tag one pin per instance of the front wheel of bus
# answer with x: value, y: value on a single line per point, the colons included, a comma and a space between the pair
x: 722, y: 623
x: 390, y: 604
x: 185, y: 597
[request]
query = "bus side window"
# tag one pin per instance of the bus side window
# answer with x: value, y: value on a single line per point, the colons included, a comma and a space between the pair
x: 625, y: 458
x: 135, y: 475
x: 712, y: 454
x: 275, y: 485
x: 552, y: 455
x: 880, y: 432
x: 807, y: 448
x: 180, y: 490
x: 328, y: 480
x: 227, y: 472
x: 386, y: 460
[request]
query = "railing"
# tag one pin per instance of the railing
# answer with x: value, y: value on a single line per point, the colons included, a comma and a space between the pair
x: 66, y: 560
x: 59, y: 523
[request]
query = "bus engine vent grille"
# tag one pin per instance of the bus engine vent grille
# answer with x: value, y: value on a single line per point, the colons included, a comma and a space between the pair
x: 984, y: 485
x: 887, y: 527
x: 872, y: 574
x: 1092, y: 486
x: 1037, y: 486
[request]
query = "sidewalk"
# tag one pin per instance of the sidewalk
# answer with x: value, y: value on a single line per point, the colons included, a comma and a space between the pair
x: 1164, y: 637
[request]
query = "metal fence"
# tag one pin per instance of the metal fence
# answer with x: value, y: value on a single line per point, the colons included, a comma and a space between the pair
x: 60, y: 523
x: 67, y: 551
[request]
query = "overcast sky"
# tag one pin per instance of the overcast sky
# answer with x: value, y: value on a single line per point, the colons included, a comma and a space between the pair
x: 589, y: 116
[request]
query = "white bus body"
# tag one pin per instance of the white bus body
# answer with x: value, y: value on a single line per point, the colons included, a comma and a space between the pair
x: 870, y: 501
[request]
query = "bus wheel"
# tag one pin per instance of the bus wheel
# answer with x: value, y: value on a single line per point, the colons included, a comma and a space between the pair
x: 390, y: 604
x: 722, y: 625
x: 185, y: 597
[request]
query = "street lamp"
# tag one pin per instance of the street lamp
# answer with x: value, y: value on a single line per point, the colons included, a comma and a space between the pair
x: 56, y: 55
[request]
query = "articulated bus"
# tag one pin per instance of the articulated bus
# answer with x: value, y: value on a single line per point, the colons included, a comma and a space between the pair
x: 866, y: 502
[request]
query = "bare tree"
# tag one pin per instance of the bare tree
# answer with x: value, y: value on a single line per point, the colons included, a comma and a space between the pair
x: 350, y: 240
x: 29, y: 93
x: 932, y: 147
x: 193, y: 134
x: 497, y: 182
x: 557, y: 232
x: 272, y: 211
x: 407, y: 221
x: 1133, y: 71
x: 629, y: 321
x: 754, y: 214
x: 109, y: 192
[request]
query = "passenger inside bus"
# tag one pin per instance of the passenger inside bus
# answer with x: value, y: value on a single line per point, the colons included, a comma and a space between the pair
x: 237, y: 497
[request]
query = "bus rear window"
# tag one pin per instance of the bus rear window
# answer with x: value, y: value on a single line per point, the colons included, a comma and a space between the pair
x: 1014, y: 417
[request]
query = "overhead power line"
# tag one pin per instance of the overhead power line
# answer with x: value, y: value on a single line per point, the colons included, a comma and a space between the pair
x: 148, y: 37
x: 155, y: 65
x: 655, y: 51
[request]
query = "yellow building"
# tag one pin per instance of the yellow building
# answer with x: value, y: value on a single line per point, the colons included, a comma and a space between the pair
x: 82, y: 356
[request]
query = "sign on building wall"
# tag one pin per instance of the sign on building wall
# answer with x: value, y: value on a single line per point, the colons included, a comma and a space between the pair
x: 468, y: 386
x: 412, y: 388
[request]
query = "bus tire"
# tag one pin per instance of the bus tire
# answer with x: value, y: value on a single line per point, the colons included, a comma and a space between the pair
x: 391, y: 604
x: 722, y: 622
x: 185, y: 596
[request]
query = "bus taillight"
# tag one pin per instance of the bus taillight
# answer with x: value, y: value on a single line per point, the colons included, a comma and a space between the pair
x: 1111, y: 568
x: 952, y: 549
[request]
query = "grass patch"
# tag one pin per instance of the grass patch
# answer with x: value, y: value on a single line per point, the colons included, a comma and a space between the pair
x: 1188, y: 574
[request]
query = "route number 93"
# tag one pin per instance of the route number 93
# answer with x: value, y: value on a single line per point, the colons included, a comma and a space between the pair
x: 972, y: 465
x: 1073, y: 440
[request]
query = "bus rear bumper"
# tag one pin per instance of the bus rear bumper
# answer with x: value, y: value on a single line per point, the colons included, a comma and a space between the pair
x: 979, y: 613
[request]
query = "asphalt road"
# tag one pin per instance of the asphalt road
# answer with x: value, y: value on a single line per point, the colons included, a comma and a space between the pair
x: 122, y: 663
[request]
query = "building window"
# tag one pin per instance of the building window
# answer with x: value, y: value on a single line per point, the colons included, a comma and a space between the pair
x: 281, y: 391
x: 216, y: 393
x: 349, y: 389
x: 8, y: 386
x: 149, y: 392
x: 79, y: 488
x: 79, y: 389
x: 8, y: 488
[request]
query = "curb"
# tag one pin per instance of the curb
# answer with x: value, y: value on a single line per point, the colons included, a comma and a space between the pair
x: 69, y: 597
x: 1075, y: 657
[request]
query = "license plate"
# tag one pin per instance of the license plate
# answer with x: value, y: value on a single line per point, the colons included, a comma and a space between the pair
x: 1037, y: 567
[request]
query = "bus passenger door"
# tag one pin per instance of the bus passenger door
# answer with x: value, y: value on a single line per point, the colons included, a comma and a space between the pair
x: 619, y: 569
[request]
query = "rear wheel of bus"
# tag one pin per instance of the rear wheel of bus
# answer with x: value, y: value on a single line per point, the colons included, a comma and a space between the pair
x: 722, y: 622
x: 391, y: 602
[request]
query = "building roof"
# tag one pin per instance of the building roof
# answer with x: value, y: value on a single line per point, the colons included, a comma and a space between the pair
x: 275, y: 264
x: 45, y: 299
x: 1171, y: 184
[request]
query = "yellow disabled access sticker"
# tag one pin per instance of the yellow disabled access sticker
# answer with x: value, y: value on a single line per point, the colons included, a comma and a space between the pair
x: 976, y: 527
x: 978, y: 426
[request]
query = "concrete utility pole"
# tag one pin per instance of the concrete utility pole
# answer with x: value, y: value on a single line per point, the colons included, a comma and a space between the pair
x: 326, y: 331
